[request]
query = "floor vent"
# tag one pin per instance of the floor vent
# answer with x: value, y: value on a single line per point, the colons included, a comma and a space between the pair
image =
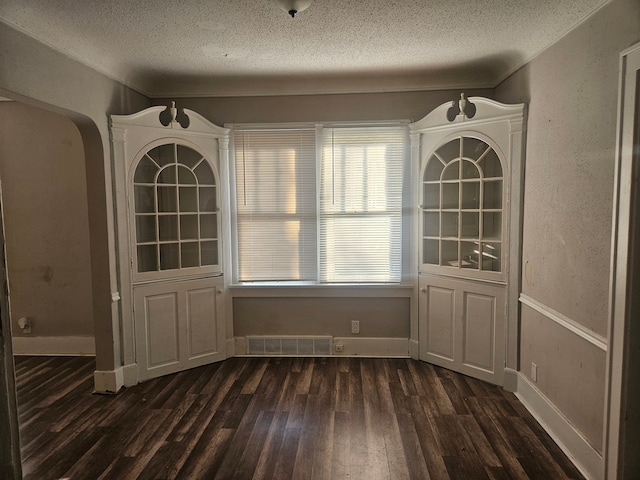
x: 302, y: 346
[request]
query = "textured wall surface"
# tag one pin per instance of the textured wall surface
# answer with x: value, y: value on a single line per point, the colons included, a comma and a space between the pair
x: 44, y: 193
x: 572, y: 93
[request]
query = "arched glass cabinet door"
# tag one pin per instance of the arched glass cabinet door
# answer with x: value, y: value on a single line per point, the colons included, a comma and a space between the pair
x: 175, y: 212
x: 462, y: 209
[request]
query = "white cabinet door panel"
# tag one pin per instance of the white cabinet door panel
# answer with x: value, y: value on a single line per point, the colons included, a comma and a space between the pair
x: 201, y: 315
x: 440, y: 321
x: 160, y: 317
x: 179, y: 325
x: 462, y: 326
x: 478, y: 324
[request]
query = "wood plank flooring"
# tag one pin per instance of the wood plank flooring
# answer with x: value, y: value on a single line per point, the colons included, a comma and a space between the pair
x: 279, y: 418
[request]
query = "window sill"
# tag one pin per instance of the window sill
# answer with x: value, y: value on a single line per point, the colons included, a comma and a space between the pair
x: 285, y: 289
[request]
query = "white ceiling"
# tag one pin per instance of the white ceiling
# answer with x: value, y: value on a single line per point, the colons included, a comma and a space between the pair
x: 250, y: 47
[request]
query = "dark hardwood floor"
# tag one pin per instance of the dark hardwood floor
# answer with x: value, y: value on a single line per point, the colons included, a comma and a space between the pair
x: 279, y: 418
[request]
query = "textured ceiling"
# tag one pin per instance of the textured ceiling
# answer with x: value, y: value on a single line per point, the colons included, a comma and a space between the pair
x: 250, y: 47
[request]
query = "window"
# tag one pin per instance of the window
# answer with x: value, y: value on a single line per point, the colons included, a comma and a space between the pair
x: 462, y: 207
x: 319, y: 204
x: 176, y: 219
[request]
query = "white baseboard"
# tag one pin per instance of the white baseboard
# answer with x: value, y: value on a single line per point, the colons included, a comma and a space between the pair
x: 108, y: 381
x: 374, y: 346
x: 569, y: 439
x: 130, y: 375
x: 510, y: 383
x: 59, y: 346
x: 414, y: 349
x: 240, y: 346
x: 231, y: 347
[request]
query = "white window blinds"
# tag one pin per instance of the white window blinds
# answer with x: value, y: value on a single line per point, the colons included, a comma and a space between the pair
x: 276, y: 205
x: 319, y: 204
x: 361, y: 204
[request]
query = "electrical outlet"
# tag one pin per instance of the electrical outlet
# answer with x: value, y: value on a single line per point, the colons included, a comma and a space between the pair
x: 534, y: 372
x: 339, y: 348
x: 355, y: 326
x: 25, y: 325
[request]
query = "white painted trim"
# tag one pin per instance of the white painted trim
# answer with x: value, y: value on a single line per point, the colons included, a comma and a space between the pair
x: 130, y: 375
x: 569, y: 439
x: 414, y: 349
x: 374, y: 346
x: 240, y: 346
x: 564, y: 321
x: 56, y: 346
x: 108, y: 381
x: 230, y: 347
x: 510, y: 383
x: 622, y: 247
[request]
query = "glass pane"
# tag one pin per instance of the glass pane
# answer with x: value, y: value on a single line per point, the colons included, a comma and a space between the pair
x: 470, y: 254
x: 147, y: 258
x: 186, y: 176
x: 450, y: 196
x: 431, y: 195
x: 145, y: 171
x: 163, y: 154
x: 492, y: 225
x: 188, y: 227
x: 470, y: 225
x: 450, y: 151
x: 433, y: 170
x: 208, y: 226
x: 146, y: 228
x: 449, y: 253
x: 452, y: 171
x: 167, y: 175
x: 188, y: 199
x: 431, y: 224
x: 188, y: 156
x: 473, y: 148
x: 169, y: 256
x: 207, y: 199
x: 209, y: 252
x: 471, y: 195
x: 190, y: 254
x: 168, y: 227
x: 167, y: 201
x: 469, y: 170
x: 205, y: 174
x: 491, y: 253
x: 450, y: 224
x: 490, y: 165
x: 492, y: 195
x: 430, y: 254
x: 144, y: 199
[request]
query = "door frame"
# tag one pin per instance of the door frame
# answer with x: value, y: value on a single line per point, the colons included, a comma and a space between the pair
x: 10, y: 462
x: 625, y: 201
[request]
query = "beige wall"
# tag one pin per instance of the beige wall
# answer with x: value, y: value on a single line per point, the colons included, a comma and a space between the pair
x: 38, y: 75
x: 44, y: 193
x: 321, y: 108
x: 571, y: 90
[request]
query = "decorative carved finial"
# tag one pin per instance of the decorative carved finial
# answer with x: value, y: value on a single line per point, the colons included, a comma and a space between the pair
x: 462, y: 107
x: 174, y: 112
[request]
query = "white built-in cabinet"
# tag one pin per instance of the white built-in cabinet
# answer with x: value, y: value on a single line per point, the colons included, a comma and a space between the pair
x: 469, y: 197
x: 167, y: 175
